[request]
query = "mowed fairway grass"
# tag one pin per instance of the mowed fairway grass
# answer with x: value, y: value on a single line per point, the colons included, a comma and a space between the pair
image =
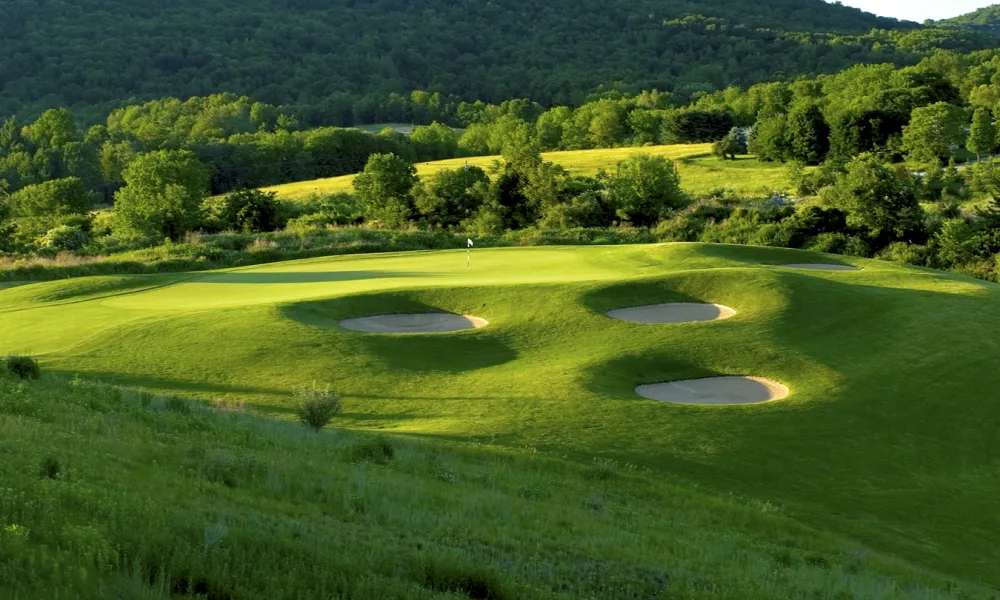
x: 700, y: 171
x: 891, y: 433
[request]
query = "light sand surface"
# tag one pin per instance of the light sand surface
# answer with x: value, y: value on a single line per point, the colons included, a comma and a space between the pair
x: 677, y: 312
x: 414, y: 323
x: 820, y: 267
x: 715, y: 390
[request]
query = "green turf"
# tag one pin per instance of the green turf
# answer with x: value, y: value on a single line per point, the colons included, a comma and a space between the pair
x: 108, y: 493
x: 700, y: 171
x: 889, y: 435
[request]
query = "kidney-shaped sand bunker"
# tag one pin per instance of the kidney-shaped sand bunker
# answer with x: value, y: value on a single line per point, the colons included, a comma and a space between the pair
x: 414, y: 323
x: 675, y: 312
x: 715, y: 390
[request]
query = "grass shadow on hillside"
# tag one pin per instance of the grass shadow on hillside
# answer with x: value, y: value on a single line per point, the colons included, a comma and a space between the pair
x: 766, y: 256
x: 303, y: 277
x: 637, y: 293
x: 161, y: 385
x: 455, y: 352
x: 619, y: 377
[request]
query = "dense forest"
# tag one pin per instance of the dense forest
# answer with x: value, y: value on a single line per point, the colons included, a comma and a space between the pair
x: 869, y: 153
x: 984, y: 19
x: 337, y: 60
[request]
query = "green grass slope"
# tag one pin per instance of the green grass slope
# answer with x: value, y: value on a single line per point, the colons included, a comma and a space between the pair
x: 109, y: 493
x: 700, y: 171
x: 890, y: 434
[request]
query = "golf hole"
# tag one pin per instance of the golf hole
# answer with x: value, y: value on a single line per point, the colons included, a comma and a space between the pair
x: 715, y: 391
x: 677, y: 312
x: 820, y: 267
x: 414, y: 323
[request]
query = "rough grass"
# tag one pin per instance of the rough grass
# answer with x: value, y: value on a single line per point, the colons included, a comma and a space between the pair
x: 888, y: 436
x: 700, y: 172
x: 112, y: 493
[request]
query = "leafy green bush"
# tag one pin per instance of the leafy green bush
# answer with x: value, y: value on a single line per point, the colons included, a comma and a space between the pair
x: 63, y: 238
x: 831, y: 243
x: 23, y: 367
x: 316, y: 406
x: 251, y: 211
x: 446, y: 576
x: 901, y: 252
x: 50, y: 468
x: 378, y: 450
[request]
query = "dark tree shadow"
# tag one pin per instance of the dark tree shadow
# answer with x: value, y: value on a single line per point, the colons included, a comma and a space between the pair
x: 304, y: 277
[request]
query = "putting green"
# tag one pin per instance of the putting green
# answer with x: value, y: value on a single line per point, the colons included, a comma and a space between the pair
x: 889, y: 435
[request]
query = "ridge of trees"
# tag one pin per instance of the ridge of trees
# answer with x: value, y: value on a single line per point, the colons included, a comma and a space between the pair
x: 336, y: 61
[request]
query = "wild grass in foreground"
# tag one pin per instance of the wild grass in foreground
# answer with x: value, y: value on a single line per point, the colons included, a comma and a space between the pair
x: 111, y: 493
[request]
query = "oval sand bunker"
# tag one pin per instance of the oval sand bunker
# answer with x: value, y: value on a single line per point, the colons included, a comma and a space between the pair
x: 414, y: 323
x: 820, y: 267
x: 715, y: 390
x: 677, y: 312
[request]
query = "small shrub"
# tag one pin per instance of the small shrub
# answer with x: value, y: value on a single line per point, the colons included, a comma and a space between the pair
x: 50, y: 468
x: 377, y: 450
x: 251, y: 211
x: 63, y: 238
x: 23, y: 367
x: 316, y: 406
x: 474, y: 583
x: 178, y: 405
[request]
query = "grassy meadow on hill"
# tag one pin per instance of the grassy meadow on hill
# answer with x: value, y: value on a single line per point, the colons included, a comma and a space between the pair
x: 883, y: 439
x: 700, y: 172
x: 112, y: 493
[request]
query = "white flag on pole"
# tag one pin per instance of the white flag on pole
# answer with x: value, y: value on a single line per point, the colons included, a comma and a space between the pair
x: 470, y: 244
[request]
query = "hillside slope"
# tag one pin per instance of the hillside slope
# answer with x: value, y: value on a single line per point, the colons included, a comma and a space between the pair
x: 985, y: 19
x: 108, y: 493
x: 337, y: 53
x: 889, y: 435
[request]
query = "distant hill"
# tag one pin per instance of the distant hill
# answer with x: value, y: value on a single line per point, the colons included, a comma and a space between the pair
x: 985, y: 19
x: 342, y: 54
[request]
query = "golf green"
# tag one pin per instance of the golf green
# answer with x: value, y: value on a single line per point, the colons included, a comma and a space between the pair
x: 890, y: 432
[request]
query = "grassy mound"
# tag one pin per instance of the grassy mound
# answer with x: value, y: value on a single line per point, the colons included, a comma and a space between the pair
x: 114, y: 493
x: 891, y: 407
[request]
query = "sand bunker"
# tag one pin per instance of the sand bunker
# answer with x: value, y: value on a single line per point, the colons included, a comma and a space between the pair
x: 820, y: 267
x: 678, y: 312
x: 715, y: 390
x: 414, y: 323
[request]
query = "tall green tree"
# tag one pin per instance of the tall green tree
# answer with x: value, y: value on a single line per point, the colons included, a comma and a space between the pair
x: 768, y: 139
x: 935, y: 132
x: 52, y: 130
x: 162, y: 195
x: 644, y: 189
x: 55, y: 198
x: 435, y: 141
x: 808, y: 133
x: 878, y: 199
x: 385, y: 190
x: 450, y: 196
x: 982, y: 134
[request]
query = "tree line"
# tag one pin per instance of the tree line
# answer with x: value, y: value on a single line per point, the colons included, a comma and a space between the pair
x: 337, y: 60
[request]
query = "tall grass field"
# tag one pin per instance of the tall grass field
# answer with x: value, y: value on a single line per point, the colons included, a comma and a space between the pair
x: 510, y: 461
x: 700, y: 171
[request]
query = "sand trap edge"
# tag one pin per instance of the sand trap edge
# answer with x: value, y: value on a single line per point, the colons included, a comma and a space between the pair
x: 819, y: 266
x: 661, y: 314
x: 698, y: 391
x: 413, y: 323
